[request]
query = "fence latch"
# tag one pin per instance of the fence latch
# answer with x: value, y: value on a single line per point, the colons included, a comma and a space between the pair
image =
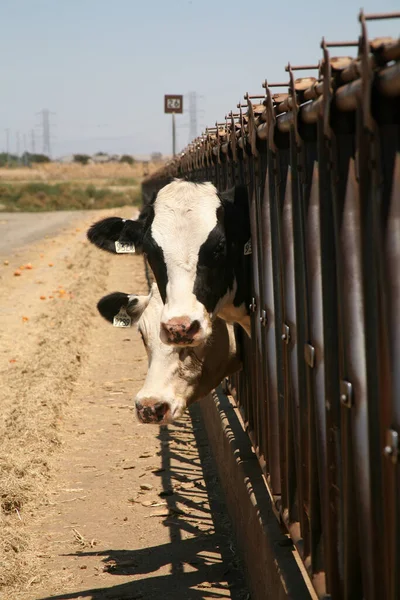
x: 309, y: 354
x: 285, y: 333
x: 391, y: 450
x: 346, y: 393
x: 263, y: 318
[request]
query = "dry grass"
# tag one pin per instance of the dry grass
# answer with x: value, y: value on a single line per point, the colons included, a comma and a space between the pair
x: 67, y: 187
x: 33, y: 395
x: 55, y: 172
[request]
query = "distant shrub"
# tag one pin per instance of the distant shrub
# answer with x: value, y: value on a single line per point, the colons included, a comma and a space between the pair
x: 8, y: 159
x: 37, y: 158
x: 83, y: 159
x: 126, y: 158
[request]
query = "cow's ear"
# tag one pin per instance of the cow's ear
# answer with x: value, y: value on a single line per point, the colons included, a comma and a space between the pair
x: 114, y: 233
x: 122, y: 309
x: 236, y: 213
x: 131, y: 237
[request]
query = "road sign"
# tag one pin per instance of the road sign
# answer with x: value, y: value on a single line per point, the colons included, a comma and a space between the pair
x: 173, y: 103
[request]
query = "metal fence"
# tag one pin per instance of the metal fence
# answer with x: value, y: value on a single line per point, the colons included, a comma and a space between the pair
x: 320, y: 387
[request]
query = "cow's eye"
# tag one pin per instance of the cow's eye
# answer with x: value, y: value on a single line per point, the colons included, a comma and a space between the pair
x: 219, y: 250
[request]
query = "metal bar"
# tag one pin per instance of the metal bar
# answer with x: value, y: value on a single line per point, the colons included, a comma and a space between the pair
x: 378, y: 16
x: 301, y: 67
x: 344, y: 44
x: 276, y: 84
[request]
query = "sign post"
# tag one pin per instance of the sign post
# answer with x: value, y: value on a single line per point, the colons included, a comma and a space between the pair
x: 173, y: 104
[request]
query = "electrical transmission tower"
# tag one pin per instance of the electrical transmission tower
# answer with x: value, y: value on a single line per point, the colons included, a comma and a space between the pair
x: 192, y: 116
x: 194, y: 112
x: 45, y: 113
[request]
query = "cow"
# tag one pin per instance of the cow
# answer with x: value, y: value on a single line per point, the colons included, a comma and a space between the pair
x: 176, y: 377
x: 194, y: 239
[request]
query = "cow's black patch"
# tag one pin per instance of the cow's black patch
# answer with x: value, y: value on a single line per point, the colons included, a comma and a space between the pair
x: 221, y: 257
x: 110, y: 305
x: 238, y: 232
x: 155, y: 257
x: 214, y: 273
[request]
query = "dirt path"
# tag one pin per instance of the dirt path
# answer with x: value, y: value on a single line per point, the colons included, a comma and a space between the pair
x: 129, y: 511
x: 20, y: 229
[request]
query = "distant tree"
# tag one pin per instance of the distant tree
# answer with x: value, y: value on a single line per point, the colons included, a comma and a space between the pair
x: 37, y: 158
x: 81, y: 158
x: 101, y: 154
x: 126, y: 158
x: 8, y: 159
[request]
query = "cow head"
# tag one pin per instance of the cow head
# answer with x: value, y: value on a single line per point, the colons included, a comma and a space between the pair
x: 194, y: 241
x: 176, y: 377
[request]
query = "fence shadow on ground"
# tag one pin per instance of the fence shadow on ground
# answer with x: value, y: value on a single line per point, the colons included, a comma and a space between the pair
x: 201, y: 553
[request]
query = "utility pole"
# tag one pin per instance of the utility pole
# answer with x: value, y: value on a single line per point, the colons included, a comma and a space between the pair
x: 25, y: 157
x: 173, y: 135
x: 7, y: 145
x: 45, y: 114
x: 18, y: 144
x: 33, y: 141
x: 173, y: 104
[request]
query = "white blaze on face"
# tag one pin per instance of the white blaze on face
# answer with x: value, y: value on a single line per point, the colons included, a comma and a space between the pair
x: 185, y: 214
x: 168, y: 380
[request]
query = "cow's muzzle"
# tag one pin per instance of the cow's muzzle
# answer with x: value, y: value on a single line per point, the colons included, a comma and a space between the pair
x: 181, y: 331
x: 149, y: 411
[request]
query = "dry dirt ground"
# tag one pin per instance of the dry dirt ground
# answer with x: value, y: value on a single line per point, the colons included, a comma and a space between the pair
x: 95, y: 505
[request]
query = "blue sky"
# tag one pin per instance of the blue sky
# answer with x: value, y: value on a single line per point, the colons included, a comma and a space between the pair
x: 103, y: 66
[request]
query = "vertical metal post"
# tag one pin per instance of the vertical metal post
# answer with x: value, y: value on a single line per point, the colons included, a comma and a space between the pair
x: 173, y: 135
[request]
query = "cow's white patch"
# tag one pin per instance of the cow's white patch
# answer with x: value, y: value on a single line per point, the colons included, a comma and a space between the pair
x: 185, y: 214
x: 122, y: 319
x: 121, y: 248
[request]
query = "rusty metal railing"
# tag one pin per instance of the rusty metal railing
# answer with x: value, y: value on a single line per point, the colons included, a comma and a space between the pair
x: 320, y: 387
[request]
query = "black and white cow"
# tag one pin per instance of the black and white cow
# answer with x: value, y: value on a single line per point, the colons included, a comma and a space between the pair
x: 176, y: 377
x: 194, y: 239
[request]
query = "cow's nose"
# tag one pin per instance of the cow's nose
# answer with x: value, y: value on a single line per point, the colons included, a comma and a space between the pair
x: 149, y: 411
x: 181, y: 329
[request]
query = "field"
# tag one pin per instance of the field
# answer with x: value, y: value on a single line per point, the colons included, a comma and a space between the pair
x: 67, y: 187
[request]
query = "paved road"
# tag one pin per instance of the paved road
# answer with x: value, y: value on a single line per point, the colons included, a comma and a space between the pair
x: 20, y: 229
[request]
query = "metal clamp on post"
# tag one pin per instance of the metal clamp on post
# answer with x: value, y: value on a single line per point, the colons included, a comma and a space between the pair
x: 252, y: 129
x: 233, y: 140
x: 271, y: 120
x: 391, y: 449
x: 242, y: 141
